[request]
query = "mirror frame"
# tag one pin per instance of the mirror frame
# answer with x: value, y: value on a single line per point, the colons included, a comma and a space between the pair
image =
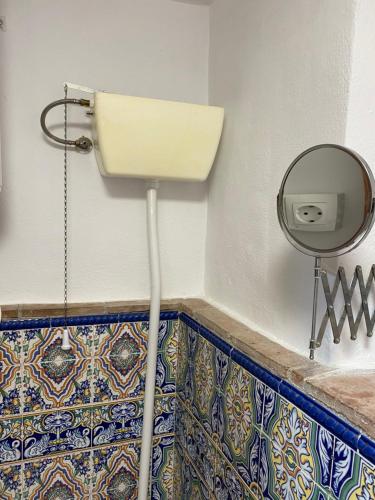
x: 362, y: 232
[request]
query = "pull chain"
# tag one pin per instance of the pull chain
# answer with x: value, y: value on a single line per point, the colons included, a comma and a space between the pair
x: 65, y: 341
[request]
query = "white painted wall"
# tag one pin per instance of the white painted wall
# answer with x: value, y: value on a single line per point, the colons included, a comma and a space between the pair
x: 289, y: 74
x: 282, y: 72
x: 360, y: 125
x: 154, y: 48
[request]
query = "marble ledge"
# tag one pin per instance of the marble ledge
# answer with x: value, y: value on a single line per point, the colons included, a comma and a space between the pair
x: 349, y: 393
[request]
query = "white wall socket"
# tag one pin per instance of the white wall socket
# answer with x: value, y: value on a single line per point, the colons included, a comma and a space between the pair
x: 313, y: 212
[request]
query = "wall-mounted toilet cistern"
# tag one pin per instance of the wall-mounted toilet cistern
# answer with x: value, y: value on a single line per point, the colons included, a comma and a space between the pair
x: 154, y: 140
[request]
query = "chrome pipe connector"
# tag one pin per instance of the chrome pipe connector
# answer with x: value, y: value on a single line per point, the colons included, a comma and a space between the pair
x: 82, y: 143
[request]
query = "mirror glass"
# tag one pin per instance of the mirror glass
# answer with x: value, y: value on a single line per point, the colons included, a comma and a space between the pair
x: 325, y: 203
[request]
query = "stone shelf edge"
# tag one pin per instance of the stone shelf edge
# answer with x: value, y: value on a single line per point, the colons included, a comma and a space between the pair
x: 350, y: 394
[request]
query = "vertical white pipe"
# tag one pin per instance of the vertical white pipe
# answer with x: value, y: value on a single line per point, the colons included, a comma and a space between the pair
x: 148, y: 413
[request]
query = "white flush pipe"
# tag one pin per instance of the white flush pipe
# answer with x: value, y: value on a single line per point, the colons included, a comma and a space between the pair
x: 148, y: 411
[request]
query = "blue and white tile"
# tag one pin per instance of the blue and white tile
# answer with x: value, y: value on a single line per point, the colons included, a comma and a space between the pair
x: 11, y: 346
x: 228, y: 484
x: 123, y: 421
x: 62, y: 477
x: 204, y: 382
x: 115, y: 472
x: 165, y: 382
x: 63, y: 430
x: 162, y: 469
x: 11, y: 482
x: 120, y: 339
x: 11, y: 402
x: 119, y: 377
x: 284, y: 475
x: 206, y: 455
x: 362, y: 486
x: 239, y: 411
x: 56, y: 384
x: 117, y: 422
x: 45, y: 345
x: 345, y: 470
x: 323, y: 448
x: 271, y: 402
x: 11, y: 432
x: 164, y: 415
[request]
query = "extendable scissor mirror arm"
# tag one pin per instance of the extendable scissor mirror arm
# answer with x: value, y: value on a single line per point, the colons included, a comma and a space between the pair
x: 83, y: 143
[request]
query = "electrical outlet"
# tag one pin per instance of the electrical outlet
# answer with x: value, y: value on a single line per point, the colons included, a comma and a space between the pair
x: 3, y: 25
x: 310, y: 213
x: 314, y: 212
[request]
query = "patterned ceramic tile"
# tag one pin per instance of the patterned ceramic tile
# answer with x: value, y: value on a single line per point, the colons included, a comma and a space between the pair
x: 271, y: 402
x: 84, y: 335
x: 204, y: 378
x: 287, y: 467
x: 187, y: 484
x: 123, y: 421
x: 222, y: 365
x: 185, y: 431
x: 192, y: 337
x: 188, y: 391
x: 179, y: 461
x: 191, y: 435
x: 66, y: 477
x: 180, y: 424
x: 217, y: 419
x: 10, y: 440
x: 115, y: 471
x: 10, y: 482
x: 322, y: 443
x: 163, y: 467
x: 61, y: 382
x: 117, y: 422
x: 182, y: 359
x: 11, y: 347
x: 352, y: 476
x: 64, y: 430
x: 205, y: 457
x: 10, y: 389
x: 228, y: 484
x: 119, y: 377
x: 120, y: 339
x: 44, y: 345
x: 164, y: 415
x: 165, y: 374
x: 185, y: 371
x: 240, y: 439
x: 291, y: 440
x: 364, y: 489
x: 297, y: 444
x: 168, y: 336
x: 260, y: 391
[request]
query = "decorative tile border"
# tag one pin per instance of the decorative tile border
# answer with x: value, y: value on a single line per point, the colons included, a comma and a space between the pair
x: 29, y: 324
x: 296, y: 437
x: 273, y: 401
x: 70, y: 422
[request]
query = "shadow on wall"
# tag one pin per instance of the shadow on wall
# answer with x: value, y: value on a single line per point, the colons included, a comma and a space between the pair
x: 293, y: 283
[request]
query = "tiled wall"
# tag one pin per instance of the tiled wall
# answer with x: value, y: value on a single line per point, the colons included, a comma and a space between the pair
x: 70, y: 421
x: 242, y: 433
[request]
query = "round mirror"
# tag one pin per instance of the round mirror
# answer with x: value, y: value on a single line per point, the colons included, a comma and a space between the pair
x: 326, y: 201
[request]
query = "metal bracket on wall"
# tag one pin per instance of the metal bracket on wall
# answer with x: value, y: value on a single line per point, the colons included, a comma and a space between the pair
x: 348, y: 292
